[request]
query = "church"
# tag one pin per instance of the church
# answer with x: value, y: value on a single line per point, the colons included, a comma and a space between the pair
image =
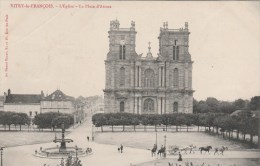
x: 146, y: 84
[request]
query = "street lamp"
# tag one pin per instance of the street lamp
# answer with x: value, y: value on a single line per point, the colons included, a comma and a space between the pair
x: 1, y: 149
x: 156, y: 137
x: 165, y: 146
x: 92, y: 133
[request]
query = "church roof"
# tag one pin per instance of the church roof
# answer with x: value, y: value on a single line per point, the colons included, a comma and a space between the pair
x: 23, y: 98
x: 58, y: 95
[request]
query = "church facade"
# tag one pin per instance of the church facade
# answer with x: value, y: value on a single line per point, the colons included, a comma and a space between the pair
x: 146, y: 84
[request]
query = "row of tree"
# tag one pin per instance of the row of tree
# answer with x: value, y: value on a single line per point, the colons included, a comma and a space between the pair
x: 53, y: 120
x: 13, y: 118
x: 220, y: 123
x: 211, y: 104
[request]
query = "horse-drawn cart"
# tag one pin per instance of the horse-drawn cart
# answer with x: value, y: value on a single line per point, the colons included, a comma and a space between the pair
x: 173, y: 150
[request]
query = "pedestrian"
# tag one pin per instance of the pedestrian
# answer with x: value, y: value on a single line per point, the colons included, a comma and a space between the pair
x: 118, y: 149
x: 180, y: 157
x: 35, y: 151
x: 88, y: 138
x: 121, y: 148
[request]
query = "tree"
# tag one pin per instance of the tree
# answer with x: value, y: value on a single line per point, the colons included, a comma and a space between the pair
x: 189, y: 120
x: 135, y: 121
x: 213, y: 104
x: 239, y: 104
x: 255, y: 103
x: 23, y: 120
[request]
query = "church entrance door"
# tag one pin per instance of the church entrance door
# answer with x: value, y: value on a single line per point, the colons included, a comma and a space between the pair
x: 149, y: 106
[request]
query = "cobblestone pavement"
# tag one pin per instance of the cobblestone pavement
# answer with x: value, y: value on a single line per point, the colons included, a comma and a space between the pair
x: 102, y: 154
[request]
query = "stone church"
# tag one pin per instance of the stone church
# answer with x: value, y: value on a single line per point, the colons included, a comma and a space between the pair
x: 147, y: 84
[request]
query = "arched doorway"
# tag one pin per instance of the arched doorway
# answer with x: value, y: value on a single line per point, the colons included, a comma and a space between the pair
x: 148, y: 106
x: 122, y: 106
x: 175, y: 107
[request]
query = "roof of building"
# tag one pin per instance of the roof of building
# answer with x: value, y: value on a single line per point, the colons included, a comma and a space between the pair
x: 255, y: 113
x: 58, y: 95
x: 23, y: 98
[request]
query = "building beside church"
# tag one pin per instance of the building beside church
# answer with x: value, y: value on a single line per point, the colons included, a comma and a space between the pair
x: 148, y: 85
x: 23, y: 103
x: 58, y: 102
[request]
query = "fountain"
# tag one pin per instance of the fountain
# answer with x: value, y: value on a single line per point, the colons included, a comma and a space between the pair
x: 62, y: 150
x: 62, y: 141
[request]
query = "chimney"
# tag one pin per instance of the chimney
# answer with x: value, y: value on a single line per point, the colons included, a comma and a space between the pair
x: 8, y: 92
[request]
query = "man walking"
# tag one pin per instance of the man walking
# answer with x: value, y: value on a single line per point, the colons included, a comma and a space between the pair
x: 121, y: 148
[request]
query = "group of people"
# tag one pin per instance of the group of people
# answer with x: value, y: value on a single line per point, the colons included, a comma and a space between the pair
x: 120, y: 148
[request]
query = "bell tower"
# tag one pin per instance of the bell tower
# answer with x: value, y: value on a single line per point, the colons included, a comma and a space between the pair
x: 174, y: 43
x: 121, y: 41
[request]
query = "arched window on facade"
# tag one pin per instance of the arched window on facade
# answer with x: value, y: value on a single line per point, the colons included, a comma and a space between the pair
x: 149, y: 78
x: 122, y: 106
x: 148, y: 105
x: 122, y: 76
x: 122, y: 52
x: 176, y: 78
x: 175, y: 107
x: 176, y: 51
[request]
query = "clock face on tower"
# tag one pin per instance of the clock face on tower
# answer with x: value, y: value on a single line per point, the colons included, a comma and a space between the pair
x: 122, y: 42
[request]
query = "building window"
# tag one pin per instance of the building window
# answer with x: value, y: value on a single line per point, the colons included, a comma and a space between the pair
x: 175, y: 78
x: 122, y: 52
x: 122, y: 76
x: 176, y: 52
x: 175, y: 107
x: 148, y: 105
x: 149, y: 78
x: 122, y: 106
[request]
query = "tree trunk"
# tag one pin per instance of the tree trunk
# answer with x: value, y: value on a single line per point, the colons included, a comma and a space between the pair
x: 9, y: 127
x: 251, y: 138
x: 180, y: 127
x: 123, y: 127
x: 134, y: 127
x: 187, y: 128
x: 20, y: 127
x: 176, y: 128
x: 237, y: 134
x: 112, y: 128
x: 217, y: 130
x: 166, y: 127
x: 101, y: 128
x: 223, y: 133
x: 229, y: 135
x: 244, y: 137
x: 198, y: 128
x: 155, y: 129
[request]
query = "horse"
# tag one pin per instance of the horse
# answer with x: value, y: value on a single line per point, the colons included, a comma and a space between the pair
x: 153, y: 151
x: 190, y: 148
x: 221, y: 150
x: 161, y: 151
x: 206, y: 149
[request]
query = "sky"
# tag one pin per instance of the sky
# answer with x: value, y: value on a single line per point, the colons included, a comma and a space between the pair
x: 65, y: 49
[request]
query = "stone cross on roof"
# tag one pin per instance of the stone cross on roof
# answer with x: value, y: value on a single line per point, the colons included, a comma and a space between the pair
x: 149, y: 46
